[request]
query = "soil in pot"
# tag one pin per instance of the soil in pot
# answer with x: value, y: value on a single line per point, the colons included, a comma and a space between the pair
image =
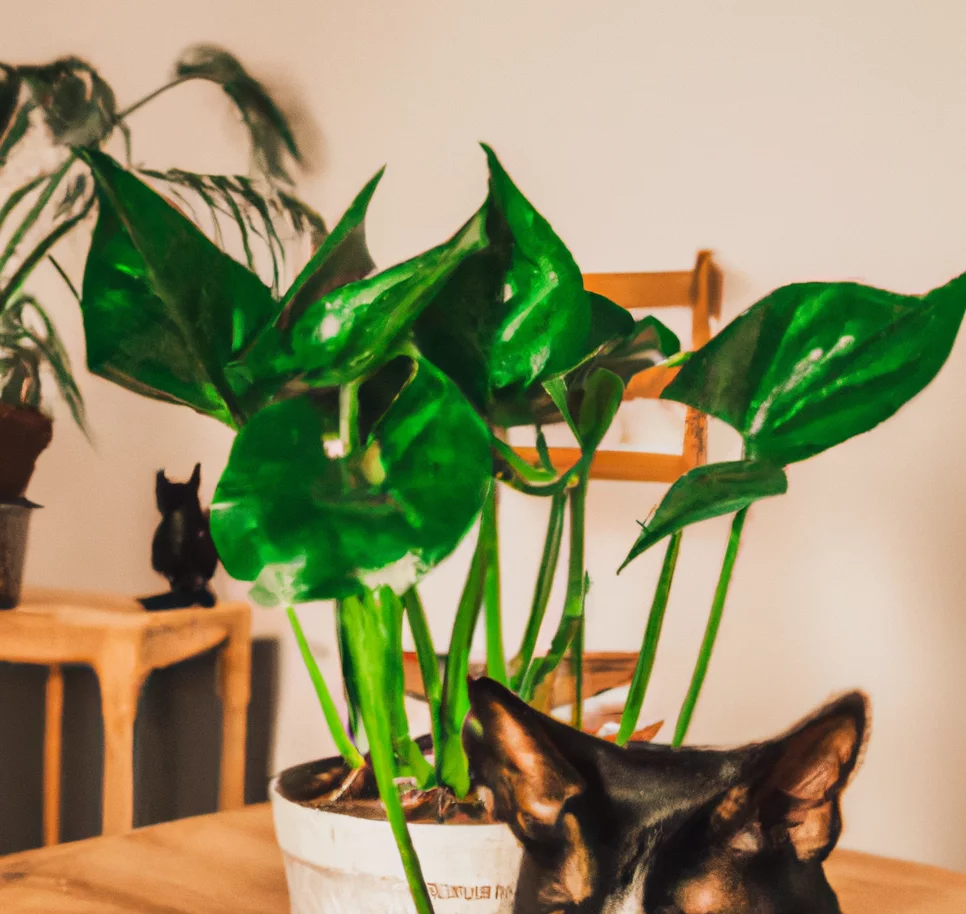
x: 331, y: 785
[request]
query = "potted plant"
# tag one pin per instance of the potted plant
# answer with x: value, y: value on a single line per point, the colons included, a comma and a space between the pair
x: 47, y: 114
x: 369, y: 409
x: 28, y: 344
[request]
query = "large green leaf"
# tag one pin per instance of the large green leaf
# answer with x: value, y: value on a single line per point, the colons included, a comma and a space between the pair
x: 814, y: 364
x: 616, y: 342
x: 314, y: 525
x: 165, y: 310
x: 516, y: 312
x: 342, y: 258
x: 602, y: 398
x: 706, y: 492
x: 348, y: 331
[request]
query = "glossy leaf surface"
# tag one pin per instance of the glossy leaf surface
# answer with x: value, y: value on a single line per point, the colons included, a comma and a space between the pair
x: 616, y: 342
x: 515, y: 313
x: 316, y: 526
x: 349, y: 330
x: 165, y: 310
x: 709, y: 491
x: 814, y: 364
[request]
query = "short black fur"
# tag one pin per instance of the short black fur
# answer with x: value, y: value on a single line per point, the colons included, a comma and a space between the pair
x: 655, y: 830
x: 182, y: 550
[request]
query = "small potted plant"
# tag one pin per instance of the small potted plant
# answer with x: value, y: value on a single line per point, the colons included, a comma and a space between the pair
x: 29, y: 344
x: 369, y: 409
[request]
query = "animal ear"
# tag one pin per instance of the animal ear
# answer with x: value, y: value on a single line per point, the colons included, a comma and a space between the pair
x: 161, y: 490
x: 511, y: 754
x: 798, y: 798
x: 195, y: 480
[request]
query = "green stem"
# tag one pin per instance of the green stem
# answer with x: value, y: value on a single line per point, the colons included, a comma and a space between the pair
x: 452, y: 766
x: 490, y: 538
x: 428, y: 661
x: 577, y: 665
x: 652, y: 635
x: 365, y: 645
x: 34, y: 212
x: 576, y: 594
x: 329, y: 710
x: 127, y: 112
x: 711, y: 632
x: 349, y: 416
x: 544, y: 585
x: 356, y: 730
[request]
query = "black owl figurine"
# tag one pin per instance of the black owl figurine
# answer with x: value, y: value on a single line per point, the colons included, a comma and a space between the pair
x: 182, y: 549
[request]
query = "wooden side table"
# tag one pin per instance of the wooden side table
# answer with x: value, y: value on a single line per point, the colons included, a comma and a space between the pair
x: 124, y: 643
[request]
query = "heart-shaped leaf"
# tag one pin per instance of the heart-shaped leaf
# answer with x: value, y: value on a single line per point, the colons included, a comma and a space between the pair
x: 342, y: 258
x: 349, y: 330
x: 316, y: 525
x: 647, y: 344
x: 601, y: 400
x: 165, y: 310
x: 814, y: 364
x: 709, y: 491
x: 516, y: 312
x: 616, y: 342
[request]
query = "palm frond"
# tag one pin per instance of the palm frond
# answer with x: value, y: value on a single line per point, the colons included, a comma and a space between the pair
x: 270, y: 133
x: 257, y: 212
x: 26, y: 348
x: 78, y: 104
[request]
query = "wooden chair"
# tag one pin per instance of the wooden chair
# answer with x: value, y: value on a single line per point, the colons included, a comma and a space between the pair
x: 698, y: 289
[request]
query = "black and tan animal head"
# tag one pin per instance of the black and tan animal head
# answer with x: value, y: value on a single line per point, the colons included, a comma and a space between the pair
x: 655, y: 830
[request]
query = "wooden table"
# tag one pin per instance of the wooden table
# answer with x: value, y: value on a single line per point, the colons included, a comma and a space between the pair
x: 124, y: 643
x: 227, y: 863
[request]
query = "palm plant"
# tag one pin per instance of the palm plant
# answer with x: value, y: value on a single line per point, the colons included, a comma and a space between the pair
x: 49, y: 114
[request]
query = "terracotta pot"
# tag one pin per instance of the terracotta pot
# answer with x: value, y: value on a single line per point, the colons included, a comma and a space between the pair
x: 24, y: 433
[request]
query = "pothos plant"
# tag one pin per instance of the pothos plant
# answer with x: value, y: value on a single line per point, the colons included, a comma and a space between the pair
x: 370, y: 407
x: 49, y: 114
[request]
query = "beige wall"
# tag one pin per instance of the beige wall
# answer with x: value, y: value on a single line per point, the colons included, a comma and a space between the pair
x: 819, y: 140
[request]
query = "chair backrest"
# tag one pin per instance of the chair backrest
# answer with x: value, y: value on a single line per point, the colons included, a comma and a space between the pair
x: 698, y: 289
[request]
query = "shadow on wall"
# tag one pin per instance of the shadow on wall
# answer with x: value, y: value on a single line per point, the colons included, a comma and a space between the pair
x: 176, y: 754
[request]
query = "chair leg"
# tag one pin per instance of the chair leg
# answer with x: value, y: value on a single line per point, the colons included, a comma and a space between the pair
x: 53, y: 732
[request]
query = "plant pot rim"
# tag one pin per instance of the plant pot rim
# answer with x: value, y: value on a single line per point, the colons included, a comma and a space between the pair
x: 276, y: 794
x: 294, y: 773
x: 19, y: 503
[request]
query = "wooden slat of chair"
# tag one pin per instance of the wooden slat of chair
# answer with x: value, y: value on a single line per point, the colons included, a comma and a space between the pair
x: 698, y: 289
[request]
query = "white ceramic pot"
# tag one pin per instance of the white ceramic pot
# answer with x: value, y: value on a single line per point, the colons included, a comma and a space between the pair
x: 338, y: 864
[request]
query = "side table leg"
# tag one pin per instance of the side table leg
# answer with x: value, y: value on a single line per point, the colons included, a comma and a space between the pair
x: 53, y: 731
x: 235, y: 689
x: 120, y: 679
